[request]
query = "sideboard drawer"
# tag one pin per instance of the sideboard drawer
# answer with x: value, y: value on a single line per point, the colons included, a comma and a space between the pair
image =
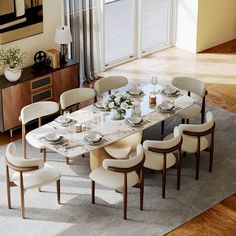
x: 41, y: 82
x: 42, y: 96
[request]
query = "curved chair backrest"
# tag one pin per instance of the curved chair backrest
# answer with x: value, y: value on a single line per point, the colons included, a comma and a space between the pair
x: 75, y: 96
x: 165, y: 144
x: 16, y: 161
x: 198, y: 128
x: 37, y: 110
x: 193, y: 85
x: 127, y: 163
x: 108, y: 83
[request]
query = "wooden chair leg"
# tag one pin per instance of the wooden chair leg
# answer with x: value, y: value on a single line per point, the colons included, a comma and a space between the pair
x: 164, y: 176
x: 59, y: 191
x: 162, y: 127
x: 24, y: 141
x: 125, y: 196
x: 197, y: 165
x: 187, y: 121
x: 22, y: 196
x: 183, y: 121
x: 93, y: 192
x: 8, y: 187
x: 44, y: 154
x: 178, y: 170
x: 211, y: 152
x: 141, y: 188
x: 67, y: 160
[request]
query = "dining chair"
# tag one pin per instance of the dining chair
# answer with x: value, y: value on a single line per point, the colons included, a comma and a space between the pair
x: 106, y: 84
x: 75, y: 97
x: 159, y: 156
x: 195, y: 141
x: 121, y: 174
x: 28, y: 174
x: 192, y: 86
x: 31, y: 112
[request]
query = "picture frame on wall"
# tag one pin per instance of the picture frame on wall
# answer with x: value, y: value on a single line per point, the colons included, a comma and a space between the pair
x: 20, y: 19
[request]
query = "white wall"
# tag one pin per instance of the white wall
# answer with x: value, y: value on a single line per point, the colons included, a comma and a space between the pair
x: 52, y: 12
x: 216, y: 23
x: 186, y: 24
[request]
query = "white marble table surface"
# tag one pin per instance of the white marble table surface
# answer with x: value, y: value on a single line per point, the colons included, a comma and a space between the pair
x: 99, y: 121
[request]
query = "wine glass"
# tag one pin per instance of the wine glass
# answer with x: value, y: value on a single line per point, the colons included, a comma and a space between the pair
x: 154, y: 82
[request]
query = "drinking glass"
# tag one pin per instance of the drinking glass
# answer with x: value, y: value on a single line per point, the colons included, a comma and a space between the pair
x: 66, y: 119
x: 154, y: 82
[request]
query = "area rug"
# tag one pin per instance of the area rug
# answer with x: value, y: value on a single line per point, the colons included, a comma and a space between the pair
x: 77, y: 216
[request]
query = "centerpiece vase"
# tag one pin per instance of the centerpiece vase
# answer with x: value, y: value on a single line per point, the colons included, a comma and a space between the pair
x: 119, y: 114
x: 12, y: 74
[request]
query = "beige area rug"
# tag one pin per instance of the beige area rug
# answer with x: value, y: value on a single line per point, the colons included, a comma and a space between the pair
x: 77, y: 216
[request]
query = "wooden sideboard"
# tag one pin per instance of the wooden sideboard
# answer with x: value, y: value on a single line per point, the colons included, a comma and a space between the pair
x: 48, y: 84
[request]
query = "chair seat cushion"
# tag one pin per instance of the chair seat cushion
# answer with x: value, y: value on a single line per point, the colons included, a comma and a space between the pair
x: 113, y: 180
x: 154, y: 160
x: 37, y: 178
x: 190, y: 143
x: 190, y: 112
x: 33, y: 142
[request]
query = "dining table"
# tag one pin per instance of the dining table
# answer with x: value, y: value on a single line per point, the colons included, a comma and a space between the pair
x: 100, y: 121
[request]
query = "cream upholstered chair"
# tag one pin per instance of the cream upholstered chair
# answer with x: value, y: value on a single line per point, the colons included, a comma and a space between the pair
x: 75, y: 97
x: 192, y: 86
x: 159, y: 156
x: 28, y: 174
x: 106, y: 84
x: 194, y: 140
x: 31, y: 112
x: 118, y: 150
x: 117, y: 174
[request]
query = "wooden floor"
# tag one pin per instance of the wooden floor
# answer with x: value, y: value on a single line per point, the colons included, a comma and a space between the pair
x: 216, y: 67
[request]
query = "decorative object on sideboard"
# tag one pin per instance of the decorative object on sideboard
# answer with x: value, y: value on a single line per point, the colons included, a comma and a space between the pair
x: 12, y: 60
x: 41, y: 61
x: 54, y: 56
x: 63, y: 37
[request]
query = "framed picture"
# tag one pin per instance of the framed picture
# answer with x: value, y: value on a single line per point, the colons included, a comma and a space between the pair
x: 20, y: 19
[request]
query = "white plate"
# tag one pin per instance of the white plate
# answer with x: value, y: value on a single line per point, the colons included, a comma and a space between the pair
x: 134, y: 124
x: 134, y: 120
x: 93, y: 137
x: 91, y: 142
x: 54, y: 142
x: 63, y: 120
x: 99, y: 105
x: 52, y: 137
x: 135, y: 92
x: 170, y: 91
x: 166, y: 105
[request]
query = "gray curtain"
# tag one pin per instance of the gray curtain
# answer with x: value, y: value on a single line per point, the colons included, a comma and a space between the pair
x: 78, y: 15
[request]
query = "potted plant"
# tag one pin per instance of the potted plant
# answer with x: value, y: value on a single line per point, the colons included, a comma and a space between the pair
x: 12, y: 60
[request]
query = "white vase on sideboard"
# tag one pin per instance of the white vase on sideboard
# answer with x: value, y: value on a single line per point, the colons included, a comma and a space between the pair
x: 12, y: 74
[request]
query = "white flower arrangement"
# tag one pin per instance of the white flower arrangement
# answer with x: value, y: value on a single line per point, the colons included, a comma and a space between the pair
x: 12, y: 57
x: 118, y: 102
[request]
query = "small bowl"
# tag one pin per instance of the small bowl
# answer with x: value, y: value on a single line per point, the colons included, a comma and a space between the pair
x: 52, y: 137
x: 93, y: 137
